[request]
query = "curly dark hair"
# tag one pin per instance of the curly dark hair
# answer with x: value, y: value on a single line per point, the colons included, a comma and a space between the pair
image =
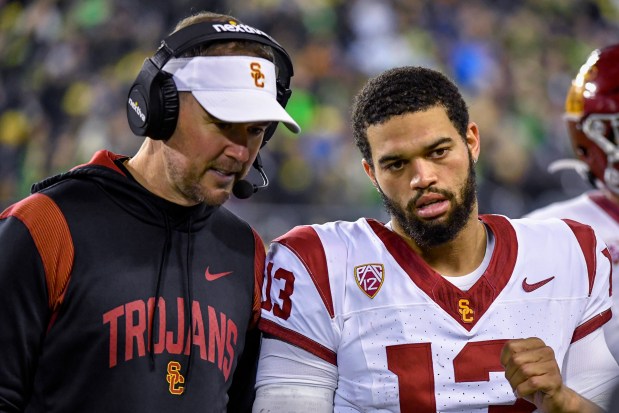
x: 404, y: 90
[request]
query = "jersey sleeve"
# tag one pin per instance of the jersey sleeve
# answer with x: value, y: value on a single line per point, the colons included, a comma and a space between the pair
x: 599, y: 272
x: 32, y: 254
x: 590, y: 369
x: 259, y: 258
x: 297, y: 303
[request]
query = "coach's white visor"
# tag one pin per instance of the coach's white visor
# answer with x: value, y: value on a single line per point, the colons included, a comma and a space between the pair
x: 236, y: 89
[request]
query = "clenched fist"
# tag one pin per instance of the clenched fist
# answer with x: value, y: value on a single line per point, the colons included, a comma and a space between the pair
x: 533, y: 372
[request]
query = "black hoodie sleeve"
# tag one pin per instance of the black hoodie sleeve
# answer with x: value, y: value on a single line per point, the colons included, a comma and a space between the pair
x: 242, y: 393
x: 24, y: 307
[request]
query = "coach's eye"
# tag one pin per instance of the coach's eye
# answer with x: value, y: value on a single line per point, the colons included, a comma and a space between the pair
x: 224, y: 125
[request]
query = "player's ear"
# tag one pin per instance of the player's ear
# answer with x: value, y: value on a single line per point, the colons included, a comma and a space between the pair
x: 472, y: 140
x: 369, y: 171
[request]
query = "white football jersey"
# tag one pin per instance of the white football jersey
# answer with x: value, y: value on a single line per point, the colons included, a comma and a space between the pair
x: 602, y: 215
x: 405, y: 339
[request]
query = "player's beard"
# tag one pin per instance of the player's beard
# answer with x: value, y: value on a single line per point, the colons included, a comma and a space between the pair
x: 428, y: 234
x: 189, y: 182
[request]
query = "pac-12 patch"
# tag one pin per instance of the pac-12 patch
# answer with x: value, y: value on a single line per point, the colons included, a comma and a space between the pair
x: 370, y: 278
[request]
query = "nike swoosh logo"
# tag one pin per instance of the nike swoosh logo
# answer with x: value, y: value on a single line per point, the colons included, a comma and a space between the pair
x: 212, y: 277
x: 532, y: 287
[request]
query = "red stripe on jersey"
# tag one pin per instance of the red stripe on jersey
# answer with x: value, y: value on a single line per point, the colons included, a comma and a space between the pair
x: 606, y: 253
x: 296, y: 339
x: 481, y: 295
x: 50, y: 232
x: 259, y: 258
x: 305, y: 243
x: 590, y: 326
x: 586, y: 238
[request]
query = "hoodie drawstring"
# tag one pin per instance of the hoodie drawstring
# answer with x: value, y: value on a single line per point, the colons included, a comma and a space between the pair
x: 189, y: 298
x: 160, y: 279
x: 154, y: 324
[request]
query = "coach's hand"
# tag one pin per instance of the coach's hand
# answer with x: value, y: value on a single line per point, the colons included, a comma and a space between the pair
x: 533, y: 372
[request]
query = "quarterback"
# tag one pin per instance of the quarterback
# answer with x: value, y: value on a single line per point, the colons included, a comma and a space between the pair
x: 441, y: 309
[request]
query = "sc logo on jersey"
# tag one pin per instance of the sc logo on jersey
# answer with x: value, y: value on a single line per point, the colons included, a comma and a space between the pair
x: 465, y: 310
x: 370, y: 278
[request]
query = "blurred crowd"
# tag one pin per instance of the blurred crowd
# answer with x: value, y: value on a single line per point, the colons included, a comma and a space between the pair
x: 66, y: 66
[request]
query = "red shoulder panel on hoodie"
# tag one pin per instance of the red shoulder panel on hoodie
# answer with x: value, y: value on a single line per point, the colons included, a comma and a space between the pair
x: 50, y: 233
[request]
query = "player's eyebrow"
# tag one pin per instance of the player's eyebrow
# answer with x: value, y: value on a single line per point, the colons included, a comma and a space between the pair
x: 428, y: 148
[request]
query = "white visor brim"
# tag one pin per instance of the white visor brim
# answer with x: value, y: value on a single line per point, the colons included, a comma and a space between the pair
x: 236, y: 89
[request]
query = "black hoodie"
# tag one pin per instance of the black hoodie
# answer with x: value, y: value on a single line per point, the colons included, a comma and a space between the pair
x: 91, y: 264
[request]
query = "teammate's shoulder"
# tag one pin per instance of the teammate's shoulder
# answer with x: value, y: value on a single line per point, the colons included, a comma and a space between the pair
x: 567, y: 208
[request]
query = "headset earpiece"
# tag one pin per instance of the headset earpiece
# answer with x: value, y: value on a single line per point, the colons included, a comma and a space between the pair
x: 153, y: 103
x: 152, y: 107
x: 169, y: 107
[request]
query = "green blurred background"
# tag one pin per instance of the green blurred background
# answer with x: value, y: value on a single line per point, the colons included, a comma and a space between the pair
x: 66, y: 66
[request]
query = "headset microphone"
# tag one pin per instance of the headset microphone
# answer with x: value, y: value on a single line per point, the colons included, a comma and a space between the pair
x: 243, y: 189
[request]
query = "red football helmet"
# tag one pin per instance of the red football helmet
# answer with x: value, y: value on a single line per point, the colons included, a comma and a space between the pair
x: 592, y: 116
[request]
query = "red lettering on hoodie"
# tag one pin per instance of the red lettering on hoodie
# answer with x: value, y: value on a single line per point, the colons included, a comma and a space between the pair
x: 198, y: 329
x: 159, y: 343
x: 230, y: 339
x: 111, y: 317
x: 136, y: 318
x: 216, y: 336
x: 135, y: 327
x: 176, y: 347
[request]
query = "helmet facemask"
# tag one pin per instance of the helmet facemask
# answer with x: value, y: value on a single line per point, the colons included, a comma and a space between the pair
x: 592, y: 118
x: 603, y: 131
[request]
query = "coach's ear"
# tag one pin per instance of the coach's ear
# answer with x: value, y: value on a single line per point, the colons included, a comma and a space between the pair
x: 369, y: 171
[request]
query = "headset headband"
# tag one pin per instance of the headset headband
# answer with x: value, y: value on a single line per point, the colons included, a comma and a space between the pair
x: 152, y: 107
x: 197, y: 34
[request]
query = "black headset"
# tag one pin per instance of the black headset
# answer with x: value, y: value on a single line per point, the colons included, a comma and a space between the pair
x: 152, y: 104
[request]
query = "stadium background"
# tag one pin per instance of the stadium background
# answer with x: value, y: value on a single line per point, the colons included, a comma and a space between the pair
x: 65, y: 68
